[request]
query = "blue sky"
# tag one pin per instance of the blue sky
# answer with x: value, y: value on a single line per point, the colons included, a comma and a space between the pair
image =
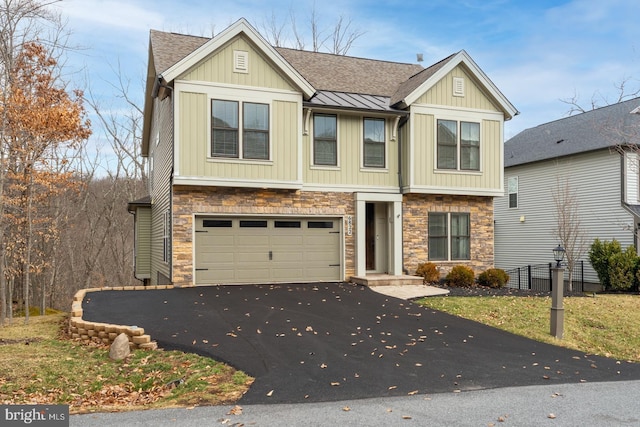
x: 536, y: 52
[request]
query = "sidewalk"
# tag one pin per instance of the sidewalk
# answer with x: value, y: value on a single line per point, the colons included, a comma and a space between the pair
x: 608, y: 403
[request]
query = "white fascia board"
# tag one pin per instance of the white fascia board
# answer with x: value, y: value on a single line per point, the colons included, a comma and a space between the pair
x: 425, y: 189
x: 463, y: 57
x: 230, y: 182
x: 240, y: 26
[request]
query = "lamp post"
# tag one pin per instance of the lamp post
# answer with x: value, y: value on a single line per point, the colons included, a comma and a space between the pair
x: 557, y: 292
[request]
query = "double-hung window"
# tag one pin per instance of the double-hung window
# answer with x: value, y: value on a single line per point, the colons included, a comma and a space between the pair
x: 449, y: 236
x: 374, y: 143
x: 325, y: 140
x: 458, y: 145
x: 239, y: 136
x: 512, y: 189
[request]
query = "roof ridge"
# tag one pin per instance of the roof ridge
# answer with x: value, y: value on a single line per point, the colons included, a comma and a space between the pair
x: 588, y: 112
x: 349, y: 56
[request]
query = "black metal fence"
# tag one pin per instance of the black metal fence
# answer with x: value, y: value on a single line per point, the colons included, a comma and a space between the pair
x: 538, y: 277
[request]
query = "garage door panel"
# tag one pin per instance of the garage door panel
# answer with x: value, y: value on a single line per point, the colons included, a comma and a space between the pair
x: 267, y: 250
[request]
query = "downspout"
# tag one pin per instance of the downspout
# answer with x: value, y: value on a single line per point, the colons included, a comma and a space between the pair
x: 400, y: 124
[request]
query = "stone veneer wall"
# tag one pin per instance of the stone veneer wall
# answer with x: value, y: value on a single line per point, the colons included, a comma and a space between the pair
x: 106, y: 333
x: 249, y: 201
x: 416, y: 208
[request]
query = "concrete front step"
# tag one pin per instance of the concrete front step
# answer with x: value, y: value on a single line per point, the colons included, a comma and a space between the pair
x: 386, y: 280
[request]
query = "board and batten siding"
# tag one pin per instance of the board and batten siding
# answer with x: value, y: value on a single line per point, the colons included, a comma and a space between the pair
x: 162, y: 153
x: 424, y: 175
x: 442, y: 93
x: 194, y: 159
x: 219, y: 68
x: 526, y: 235
x: 350, y: 173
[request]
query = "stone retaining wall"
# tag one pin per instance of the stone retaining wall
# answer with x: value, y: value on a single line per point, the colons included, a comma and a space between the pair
x: 106, y: 333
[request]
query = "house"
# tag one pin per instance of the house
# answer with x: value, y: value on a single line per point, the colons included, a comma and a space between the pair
x: 589, y: 158
x: 272, y: 165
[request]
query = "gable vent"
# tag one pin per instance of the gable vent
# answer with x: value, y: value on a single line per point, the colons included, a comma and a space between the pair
x: 458, y: 86
x: 240, y: 61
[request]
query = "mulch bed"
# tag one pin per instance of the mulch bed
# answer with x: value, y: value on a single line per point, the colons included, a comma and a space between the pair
x: 483, y: 291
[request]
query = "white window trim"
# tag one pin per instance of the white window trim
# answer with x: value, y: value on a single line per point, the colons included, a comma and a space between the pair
x: 458, y: 120
x: 386, y: 146
x: 241, y: 103
x: 509, y: 192
x: 313, y: 141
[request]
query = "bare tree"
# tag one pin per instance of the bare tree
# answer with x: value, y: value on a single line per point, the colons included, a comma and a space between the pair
x: 337, y: 38
x: 625, y: 90
x: 569, y: 230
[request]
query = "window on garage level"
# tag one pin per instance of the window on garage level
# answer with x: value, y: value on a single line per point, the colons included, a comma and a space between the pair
x: 239, y: 136
x: 325, y: 140
x: 458, y: 145
x: 449, y: 236
x: 374, y: 138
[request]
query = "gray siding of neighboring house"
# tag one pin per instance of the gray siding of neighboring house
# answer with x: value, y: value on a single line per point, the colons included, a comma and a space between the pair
x: 526, y: 235
x: 161, y: 184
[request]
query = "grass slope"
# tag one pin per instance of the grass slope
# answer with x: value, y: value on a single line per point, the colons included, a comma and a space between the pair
x: 605, y: 325
x: 39, y: 365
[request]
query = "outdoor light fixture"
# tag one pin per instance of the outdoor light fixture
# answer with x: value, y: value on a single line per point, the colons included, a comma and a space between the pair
x: 558, y: 255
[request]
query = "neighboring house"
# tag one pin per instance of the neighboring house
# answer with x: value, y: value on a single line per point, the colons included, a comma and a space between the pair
x: 278, y: 165
x: 591, y: 156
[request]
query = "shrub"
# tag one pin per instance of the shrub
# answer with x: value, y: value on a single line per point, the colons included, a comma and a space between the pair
x: 622, y: 269
x: 600, y: 257
x: 493, y: 278
x: 460, y: 276
x: 429, y: 272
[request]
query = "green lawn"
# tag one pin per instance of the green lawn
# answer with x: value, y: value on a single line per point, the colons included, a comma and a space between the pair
x: 606, y: 325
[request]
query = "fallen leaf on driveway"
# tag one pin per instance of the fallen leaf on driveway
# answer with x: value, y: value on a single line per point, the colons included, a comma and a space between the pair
x: 406, y: 417
x: 335, y: 383
x: 393, y: 387
x: 552, y: 416
x: 236, y: 410
x: 270, y: 393
x: 323, y: 366
x: 232, y: 335
x: 411, y: 393
x: 346, y: 409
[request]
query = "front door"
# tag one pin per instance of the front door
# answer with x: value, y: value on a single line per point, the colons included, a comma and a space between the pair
x: 376, y: 237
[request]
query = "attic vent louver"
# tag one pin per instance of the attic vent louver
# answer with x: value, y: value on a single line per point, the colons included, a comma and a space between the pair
x: 240, y: 61
x: 458, y: 86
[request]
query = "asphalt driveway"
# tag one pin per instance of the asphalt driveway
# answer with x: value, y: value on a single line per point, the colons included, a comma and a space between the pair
x: 338, y: 341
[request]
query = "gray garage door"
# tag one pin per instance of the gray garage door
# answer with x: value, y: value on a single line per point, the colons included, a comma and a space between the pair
x: 267, y: 250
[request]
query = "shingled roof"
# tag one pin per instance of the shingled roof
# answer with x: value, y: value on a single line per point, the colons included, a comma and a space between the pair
x: 327, y: 80
x: 597, y: 129
x: 324, y: 71
x: 339, y: 73
x: 169, y: 48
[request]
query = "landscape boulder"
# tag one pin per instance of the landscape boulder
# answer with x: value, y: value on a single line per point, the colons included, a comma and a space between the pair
x: 120, y: 347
